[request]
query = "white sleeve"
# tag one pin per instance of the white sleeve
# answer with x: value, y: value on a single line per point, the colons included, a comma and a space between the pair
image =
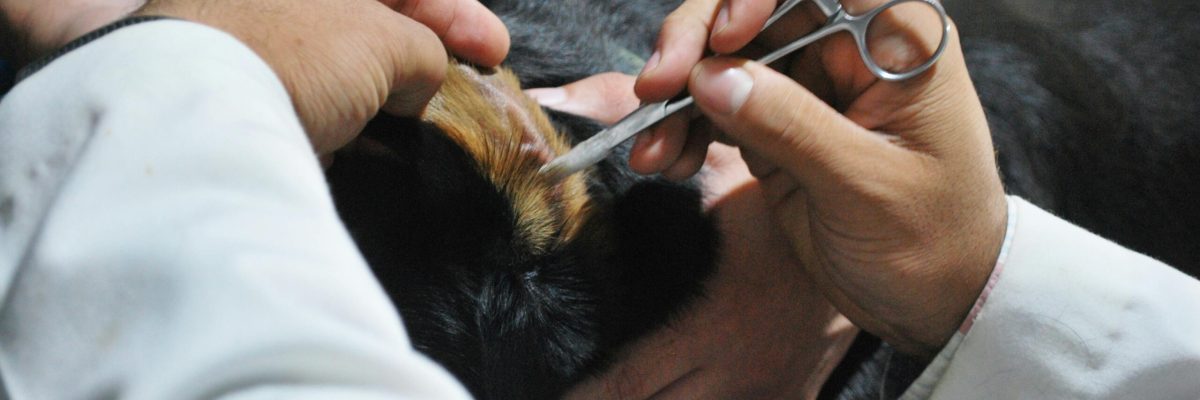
x: 1069, y: 315
x: 166, y: 233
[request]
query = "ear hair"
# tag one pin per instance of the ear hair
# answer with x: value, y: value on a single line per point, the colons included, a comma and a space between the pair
x: 509, y: 147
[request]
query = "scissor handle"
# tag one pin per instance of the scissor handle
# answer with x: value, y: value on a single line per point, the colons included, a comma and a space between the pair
x: 861, y: 23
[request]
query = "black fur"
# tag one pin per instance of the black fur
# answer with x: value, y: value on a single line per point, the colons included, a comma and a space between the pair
x: 1095, y: 112
x: 1092, y: 105
x: 555, y: 42
x: 439, y: 236
x: 509, y: 325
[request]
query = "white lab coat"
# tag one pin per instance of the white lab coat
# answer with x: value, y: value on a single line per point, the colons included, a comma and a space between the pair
x: 1070, y: 315
x: 166, y: 233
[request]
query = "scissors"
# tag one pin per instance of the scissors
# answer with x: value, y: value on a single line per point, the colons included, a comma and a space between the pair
x: 596, y: 148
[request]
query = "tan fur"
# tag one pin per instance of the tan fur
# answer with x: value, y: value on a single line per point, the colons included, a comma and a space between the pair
x: 509, y: 137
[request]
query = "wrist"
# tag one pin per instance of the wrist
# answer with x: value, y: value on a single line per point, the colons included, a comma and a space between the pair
x: 38, y: 28
x: 959, y: 285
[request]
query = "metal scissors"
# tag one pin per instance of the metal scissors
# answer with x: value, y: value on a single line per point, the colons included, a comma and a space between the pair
x: 594, y: 149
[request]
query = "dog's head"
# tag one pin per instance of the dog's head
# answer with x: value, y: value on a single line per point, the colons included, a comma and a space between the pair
x: 518, y: 284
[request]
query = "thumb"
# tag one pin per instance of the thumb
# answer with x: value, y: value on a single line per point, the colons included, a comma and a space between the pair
x: 414, y: 63
x: 774, y: 117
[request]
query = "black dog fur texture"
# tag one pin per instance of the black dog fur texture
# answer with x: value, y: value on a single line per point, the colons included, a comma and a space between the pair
x: 439, y: 235
x: 1093, y: 108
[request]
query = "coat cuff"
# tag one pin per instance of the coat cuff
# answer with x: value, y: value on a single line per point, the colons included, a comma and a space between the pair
x: 1075, y: 316
x: 924, y: 384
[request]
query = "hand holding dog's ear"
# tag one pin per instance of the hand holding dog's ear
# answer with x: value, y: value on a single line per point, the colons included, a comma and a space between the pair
x: 343, y: 60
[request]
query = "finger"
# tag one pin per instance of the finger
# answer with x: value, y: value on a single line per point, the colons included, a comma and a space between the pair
x: 898, y: 40
x: 856, y: 7
x: 641, y: 157
x: 659, y: 147
x: 929, y: 112
x: 808, y: 71
x: 681, y: 43
x: 776, y: 184
x: 700, y: 384
x: 704, y: 126
x: 691, y: 158
x: 803, y: 19
x: 737, y: 23
x: 604, y: 97
x: 785, y: 124
x: 758, y: 166
x: 726, y: 172
x: 904, y: 36
x: 649, y: 367
x: 469, y: 29
x: 778, y: 187
x: 414, y: 65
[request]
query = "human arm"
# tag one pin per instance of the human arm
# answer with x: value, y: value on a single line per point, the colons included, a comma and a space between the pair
x: 841, y: 91
x: 1073, y: 290
x: 874, y: 194
x: 1068, y: 314
x: 172, y: 238
x: 34, y: 28
x: 762, y: 330
x: 166, y: 231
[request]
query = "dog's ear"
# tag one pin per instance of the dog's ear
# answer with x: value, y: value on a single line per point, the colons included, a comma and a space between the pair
x: 509, y: 137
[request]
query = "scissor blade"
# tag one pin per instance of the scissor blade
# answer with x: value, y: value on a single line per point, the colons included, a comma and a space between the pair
x: 591, y: 151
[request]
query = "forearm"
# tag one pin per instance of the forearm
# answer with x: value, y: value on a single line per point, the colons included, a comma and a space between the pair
x: 171, y: 236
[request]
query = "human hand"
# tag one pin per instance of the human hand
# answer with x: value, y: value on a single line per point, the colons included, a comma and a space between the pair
x: 762, y: 330
x: 888, y: 191
x: 343, y: 60
x: 37, y: 27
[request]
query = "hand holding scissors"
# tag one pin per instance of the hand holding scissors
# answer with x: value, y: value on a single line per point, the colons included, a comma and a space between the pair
x: 596, y: 148
x: 886, y: 193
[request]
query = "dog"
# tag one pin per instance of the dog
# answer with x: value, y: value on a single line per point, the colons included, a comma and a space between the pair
x: 521, y: 288
x: 519, y: 285
x: 1094, y: 112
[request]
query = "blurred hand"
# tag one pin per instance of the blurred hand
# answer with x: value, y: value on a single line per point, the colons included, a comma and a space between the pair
x: 762, y: 330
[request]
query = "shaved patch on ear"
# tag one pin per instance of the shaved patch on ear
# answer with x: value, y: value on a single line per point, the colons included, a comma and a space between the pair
x: 510, y: 138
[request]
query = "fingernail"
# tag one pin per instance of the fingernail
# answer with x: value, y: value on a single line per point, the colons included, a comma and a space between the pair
x: 548, y: 96
x: 722, y: 17
x: 724, y: 90
x: 652, y: 62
